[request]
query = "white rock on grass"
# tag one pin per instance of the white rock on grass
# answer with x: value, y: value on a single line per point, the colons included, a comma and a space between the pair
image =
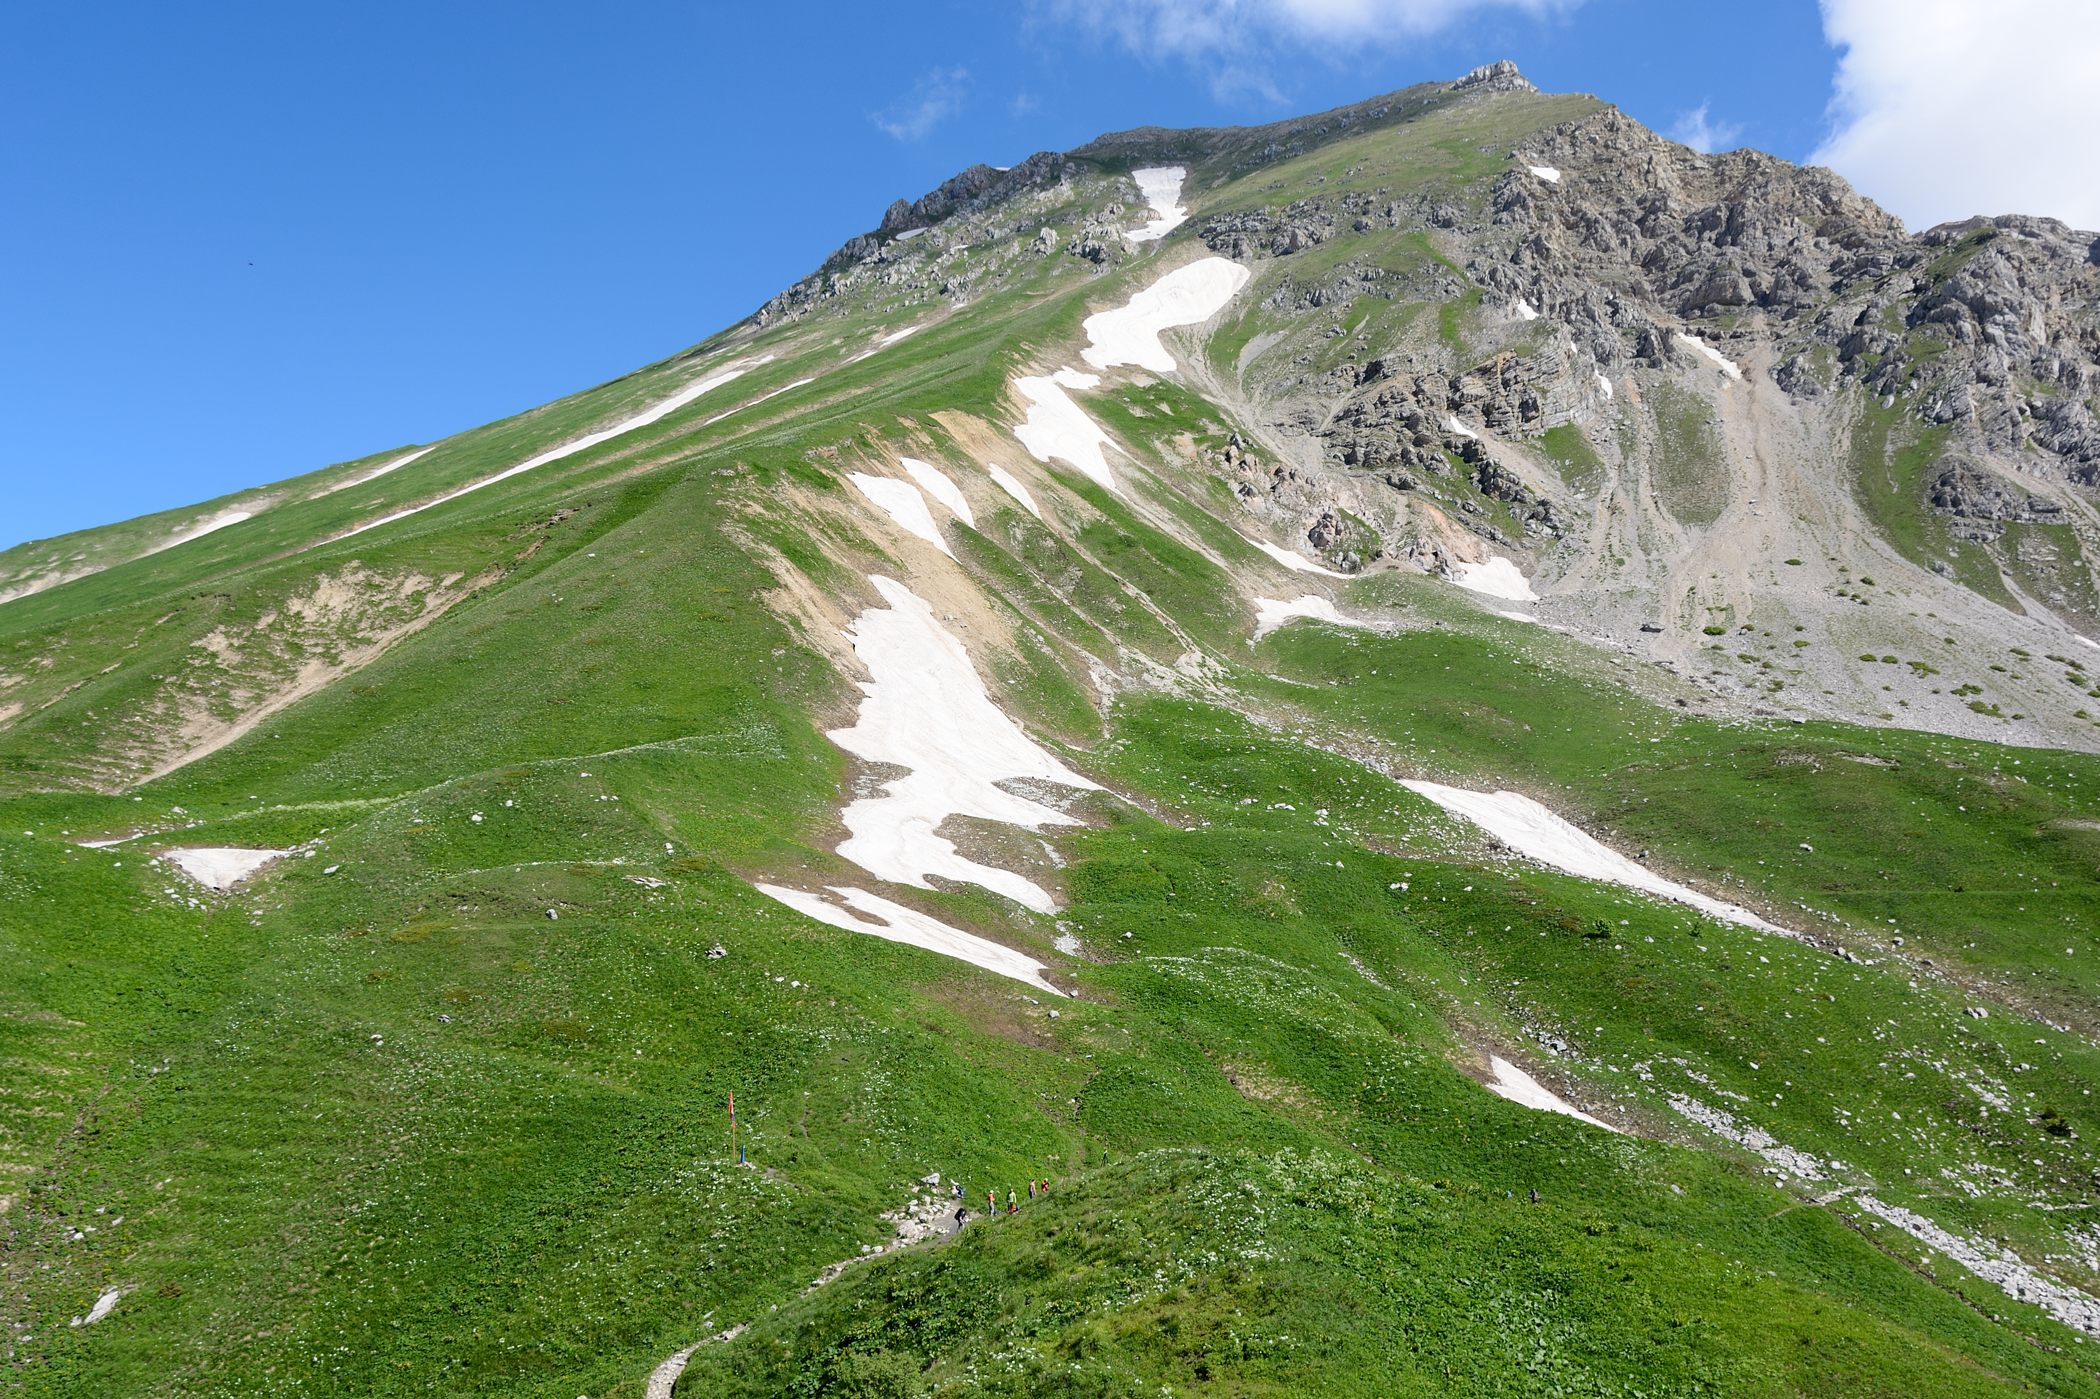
x: 880, y: 917
x: 1270, y: 613
x: 1059, y: 429
x: 1514, y: 1084
x: 656, y: 411
x: 901, y: 501
x: 104, y: 1305
x: 937, y: 483
x: 1494, y: 577
x: 1188, y: 295
x: 1292, y: 560
x: 221, y: 867
x: 1006, y: 481
x: 925, y: 710
x: 1161, y: 186
x: 1537, y: 833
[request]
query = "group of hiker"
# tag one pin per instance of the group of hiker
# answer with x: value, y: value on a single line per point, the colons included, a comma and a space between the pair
x: 1036, y: 1189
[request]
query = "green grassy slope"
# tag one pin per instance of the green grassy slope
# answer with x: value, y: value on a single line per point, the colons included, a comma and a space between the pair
x: 435, y: 1105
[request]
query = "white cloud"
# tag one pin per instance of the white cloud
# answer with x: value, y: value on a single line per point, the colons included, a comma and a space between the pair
x: 1225, y: 30
x: 1947, y: 108
x: 937, y: 96
x: 1703, y: 134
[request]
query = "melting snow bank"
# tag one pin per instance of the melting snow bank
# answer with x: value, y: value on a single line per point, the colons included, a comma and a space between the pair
x: 378, y: 471
x: 1006, y: 481
x: 1188, y: 295
x: 1497, y: 577
x: 938, y: 484
x: 1536, y: 833
x: 1721, y: 362
x: 204, y: 527
x: 1269, y: 614
x: 1295, y: 562
x: 1986, y: 1260
x: 1058, y: 427
x: 897, y: 923
x: 1514, y: 1084
x: 1525, y: 310
x: 569, y: 449
x: 926, y: 711
x: 1161, y: 186
x: 901, y: 501
x: 1545, y: 172
x: 1452, y: 424
x: 1604, y: 385
x: 221, y: 867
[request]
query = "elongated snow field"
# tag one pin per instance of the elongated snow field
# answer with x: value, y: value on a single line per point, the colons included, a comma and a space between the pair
x: 1006, y: 481
x: 1271, y: 613
x: 1292, y: 560
x: 1057, y: 428
x: 1514, y: 1084
x: 925, y: 710
x: 1720, y: 361
x: 901, y: 501
x: 1188, y: 295
x: 646, y: 416
x: 938, y: 484
x: 1536, y: 833
x: 882, y: 918
x: 1161, y: 186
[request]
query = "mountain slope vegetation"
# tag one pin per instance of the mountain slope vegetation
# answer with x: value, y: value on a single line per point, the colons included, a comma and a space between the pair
x: 1453, y: 743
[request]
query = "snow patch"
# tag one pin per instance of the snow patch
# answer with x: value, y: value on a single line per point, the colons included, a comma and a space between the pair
x: 1525, y: 310
x: 1161, y: 186
x: 1452, y: 424
x: 378, y: 471
x: 927, y: 712
x: 1514, y: 1084
x: 901, y: 501
x: 1056, y: 427
x: 1545, y: 172
x: 1295, y: 562
x: 221, y: 867
x: 1006, y: 481
x: 873, y: 914
x: 204, y: 527
x: 1188, y: 295
x: 1721, y: 362
x: 894, y: 336
x: 1535, y: 832
x: 625, y: 425
x: 1604, y: 385
x: 936, y: 483
x: 1269, y: 613
x: 770, y: 393
x: 1496, y: 577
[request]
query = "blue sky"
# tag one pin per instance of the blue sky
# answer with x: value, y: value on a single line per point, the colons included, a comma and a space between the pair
x: 248, y: 240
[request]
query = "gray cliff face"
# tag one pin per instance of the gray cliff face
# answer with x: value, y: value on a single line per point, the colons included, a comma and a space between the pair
x: 1691, y: 396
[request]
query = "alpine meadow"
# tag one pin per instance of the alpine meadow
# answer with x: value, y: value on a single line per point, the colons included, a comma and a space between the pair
x: 1439, y: 749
